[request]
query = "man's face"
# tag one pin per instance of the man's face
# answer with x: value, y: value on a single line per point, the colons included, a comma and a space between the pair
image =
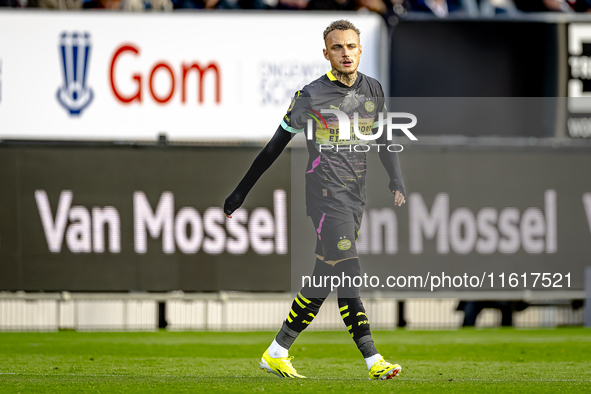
x: 343, y: 50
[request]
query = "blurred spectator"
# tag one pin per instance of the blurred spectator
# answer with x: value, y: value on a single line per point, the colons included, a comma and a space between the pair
x: 372, y: 5
x: 161, y: 5
x: 292, y: 4
x: 490, y: 8
x: 378, y: 6
x: 580, y: 5
x: 553, y: 5
x: 257, y: 4
x: 141, y: 5
x: 391, y: 10
x: 50, y: 4
x: 106, y: 4
x: 206, y: 4
x: 132, y: 5
x: 333, y: 5
x: 394, y: 10
x: 440, y: 8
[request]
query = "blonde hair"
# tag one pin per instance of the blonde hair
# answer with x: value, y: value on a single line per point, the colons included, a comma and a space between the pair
x: 341, y: 24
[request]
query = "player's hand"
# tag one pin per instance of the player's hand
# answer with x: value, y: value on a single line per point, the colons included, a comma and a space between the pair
x: 398, y: 198
x: 232, y: 203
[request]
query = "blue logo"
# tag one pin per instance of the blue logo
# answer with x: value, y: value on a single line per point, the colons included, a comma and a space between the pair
x: 74, y: 94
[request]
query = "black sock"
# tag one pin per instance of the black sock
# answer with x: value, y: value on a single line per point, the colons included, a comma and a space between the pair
x: 304, y: 308
x: 301, y: 314
x: 353, y: 312
x: 355, y: 318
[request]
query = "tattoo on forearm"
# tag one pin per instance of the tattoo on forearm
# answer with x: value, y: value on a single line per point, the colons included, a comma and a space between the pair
x: 347, y: 79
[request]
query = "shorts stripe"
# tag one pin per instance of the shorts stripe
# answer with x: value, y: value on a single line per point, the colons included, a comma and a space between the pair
x: 319, y: 229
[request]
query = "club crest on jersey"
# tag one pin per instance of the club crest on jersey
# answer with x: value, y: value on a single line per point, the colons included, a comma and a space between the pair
x: 344, y: 244
x: 74, y: 95
x: 369, y: 106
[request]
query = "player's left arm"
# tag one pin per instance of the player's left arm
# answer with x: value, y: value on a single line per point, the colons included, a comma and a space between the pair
x: 390, y: 159
x: 391, y: 164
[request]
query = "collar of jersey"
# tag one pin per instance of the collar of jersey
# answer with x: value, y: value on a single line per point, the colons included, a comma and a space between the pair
x: 335, y: 80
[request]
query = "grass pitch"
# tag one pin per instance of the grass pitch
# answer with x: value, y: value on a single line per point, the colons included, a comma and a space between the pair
x: 471, y: 361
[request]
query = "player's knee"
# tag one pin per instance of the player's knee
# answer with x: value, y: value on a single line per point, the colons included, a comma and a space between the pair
x: 349, y: 266
x: 349, y: 270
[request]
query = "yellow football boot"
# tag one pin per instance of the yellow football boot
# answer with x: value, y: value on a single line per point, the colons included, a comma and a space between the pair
x: 279, y: 366
x: 383, y: 370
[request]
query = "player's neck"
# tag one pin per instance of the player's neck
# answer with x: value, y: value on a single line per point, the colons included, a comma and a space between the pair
x: 347, y: 79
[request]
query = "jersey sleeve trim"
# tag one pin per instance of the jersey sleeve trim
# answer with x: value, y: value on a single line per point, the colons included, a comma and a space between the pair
x: 290, y: 129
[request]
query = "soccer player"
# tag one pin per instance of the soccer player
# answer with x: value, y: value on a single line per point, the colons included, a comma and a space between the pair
x: 335, y: 192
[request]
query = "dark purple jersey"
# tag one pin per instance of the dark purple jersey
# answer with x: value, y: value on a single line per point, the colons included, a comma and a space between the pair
x: 335, y: 175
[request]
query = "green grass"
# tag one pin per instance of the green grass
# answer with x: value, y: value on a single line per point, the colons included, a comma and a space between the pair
x: 470, y: 361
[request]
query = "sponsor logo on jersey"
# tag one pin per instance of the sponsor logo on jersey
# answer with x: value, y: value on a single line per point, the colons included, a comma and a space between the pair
x: 74, y: 50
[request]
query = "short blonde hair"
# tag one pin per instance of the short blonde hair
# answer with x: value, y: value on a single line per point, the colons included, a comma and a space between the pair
x: 341, y: 24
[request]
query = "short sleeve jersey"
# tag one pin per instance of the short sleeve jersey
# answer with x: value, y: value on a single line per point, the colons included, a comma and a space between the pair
x: 335, y: 174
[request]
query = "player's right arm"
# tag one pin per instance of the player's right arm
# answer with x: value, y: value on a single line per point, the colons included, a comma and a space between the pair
x: 291, y: 124
x: 262, y: 162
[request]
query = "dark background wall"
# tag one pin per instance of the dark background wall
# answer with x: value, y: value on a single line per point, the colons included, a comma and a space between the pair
x: 201, y: 177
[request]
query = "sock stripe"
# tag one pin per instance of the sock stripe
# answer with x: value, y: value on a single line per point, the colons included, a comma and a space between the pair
x: 307, y: 301
x: 300, y: 316
x: 357, y: 323
x: 300, y: 303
